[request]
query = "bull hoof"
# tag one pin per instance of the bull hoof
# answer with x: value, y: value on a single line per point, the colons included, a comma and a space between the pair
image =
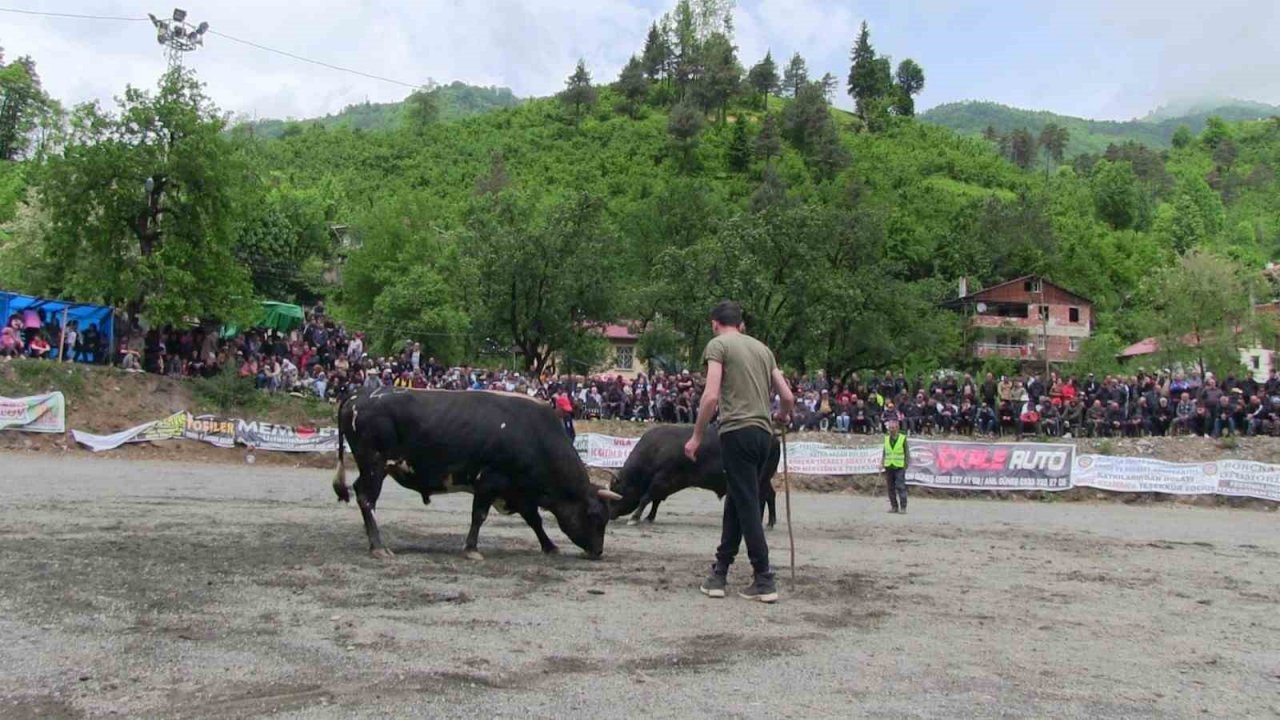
x: 473, y: 555
x: 343, y: 495
x: 382, y: 553
x: 648, y: 521
x: 551, y: 550
x: 633, y: 521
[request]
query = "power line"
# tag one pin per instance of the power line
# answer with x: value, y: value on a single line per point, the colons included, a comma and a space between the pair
x: 75, y: 15
x: 232, y: 38
x: 313, y: 62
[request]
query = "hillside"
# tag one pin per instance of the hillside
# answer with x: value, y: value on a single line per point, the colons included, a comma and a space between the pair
x: 1092, y: 136
x: 454, y: 101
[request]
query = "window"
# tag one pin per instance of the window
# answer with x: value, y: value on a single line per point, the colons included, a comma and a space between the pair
x: 1044, y: 312
x: 1012, y: 311
x: 1257, y: 362
x: 626, y: 356
x: 1074, y: 315
x: 1073, y: 344
x: 1031, y: 286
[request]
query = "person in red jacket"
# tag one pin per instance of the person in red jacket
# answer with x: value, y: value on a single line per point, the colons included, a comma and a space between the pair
x: 564, y: 407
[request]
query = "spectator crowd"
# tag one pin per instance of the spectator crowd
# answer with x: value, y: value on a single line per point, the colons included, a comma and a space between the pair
x: 32, y: 333
x: 322, y: 359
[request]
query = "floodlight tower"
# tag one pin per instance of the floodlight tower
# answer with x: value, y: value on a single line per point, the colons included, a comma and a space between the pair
x: 178, y: 36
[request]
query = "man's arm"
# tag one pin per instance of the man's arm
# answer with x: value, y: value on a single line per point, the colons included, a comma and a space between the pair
x: 786, y: 400
x: 710, y: 401
x: 906, y: 452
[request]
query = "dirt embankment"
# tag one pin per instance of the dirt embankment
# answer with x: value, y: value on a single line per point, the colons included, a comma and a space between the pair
x: 106, y: 400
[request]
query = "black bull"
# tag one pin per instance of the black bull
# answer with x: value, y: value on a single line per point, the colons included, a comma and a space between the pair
x: 502, y: 448
x: 658, y: 467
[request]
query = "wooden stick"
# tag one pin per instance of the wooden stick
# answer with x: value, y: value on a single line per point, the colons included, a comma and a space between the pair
x: 786, y: 487
x: 62, y: 341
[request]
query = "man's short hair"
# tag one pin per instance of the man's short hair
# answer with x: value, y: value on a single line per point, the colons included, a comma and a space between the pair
x: 727, y: 313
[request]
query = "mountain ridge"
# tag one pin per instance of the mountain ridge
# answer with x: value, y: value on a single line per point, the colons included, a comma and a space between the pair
x: 1156, y: 129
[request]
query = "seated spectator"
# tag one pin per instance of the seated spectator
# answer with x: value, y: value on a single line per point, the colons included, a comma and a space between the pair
x: 1096, y: 420
x: 1115, y: 419
x: 1050, y: 419
x: 39, y: 347
x: 1029, y: 420
x: 985, y: 421
x: 1008, y: 417
x: 966, y: 416
x: 1139, y: 422
x: 860, y: 418
x: 1163, y: 418
x: 1224, y: 416
x: 10, y: 343
x: 1073, y: 417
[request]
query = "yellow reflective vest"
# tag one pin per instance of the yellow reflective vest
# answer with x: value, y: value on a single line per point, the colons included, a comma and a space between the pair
x: 895, y: 454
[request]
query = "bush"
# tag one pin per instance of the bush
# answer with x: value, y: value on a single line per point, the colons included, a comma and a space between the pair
x: 226, y: 391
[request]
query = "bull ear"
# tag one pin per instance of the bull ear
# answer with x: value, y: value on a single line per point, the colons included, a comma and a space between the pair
x: 607, y: 494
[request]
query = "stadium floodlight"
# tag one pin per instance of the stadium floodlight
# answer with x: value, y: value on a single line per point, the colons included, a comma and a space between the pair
x: 178, y: 35
x: 179, y: 15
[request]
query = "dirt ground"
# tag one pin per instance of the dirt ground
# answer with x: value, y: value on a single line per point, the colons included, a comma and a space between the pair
x: 163, y: 589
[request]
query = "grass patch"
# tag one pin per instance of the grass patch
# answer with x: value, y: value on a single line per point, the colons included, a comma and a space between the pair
x: 1106, y: 447
x: 23, y: 376
x: 230, y: 395
x: 1228, y: 442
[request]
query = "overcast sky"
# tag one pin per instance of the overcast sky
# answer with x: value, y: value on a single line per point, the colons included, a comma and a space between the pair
x: 1113, y: 59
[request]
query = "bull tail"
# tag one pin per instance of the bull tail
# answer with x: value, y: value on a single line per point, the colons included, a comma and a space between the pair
x: 340, y: 487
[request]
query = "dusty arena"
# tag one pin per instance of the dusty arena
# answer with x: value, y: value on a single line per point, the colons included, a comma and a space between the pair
x: 157, y: 589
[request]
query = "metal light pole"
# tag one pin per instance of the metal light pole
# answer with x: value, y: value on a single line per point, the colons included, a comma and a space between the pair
x: 178, y: 36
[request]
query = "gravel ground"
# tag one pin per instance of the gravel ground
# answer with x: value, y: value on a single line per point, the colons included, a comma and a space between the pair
x: 192, y: 590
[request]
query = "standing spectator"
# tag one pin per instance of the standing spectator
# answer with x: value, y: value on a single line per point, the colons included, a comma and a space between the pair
x: 564, y: 408
x: 10, y: 342
x: 894, y: 466
x: 67, y: 352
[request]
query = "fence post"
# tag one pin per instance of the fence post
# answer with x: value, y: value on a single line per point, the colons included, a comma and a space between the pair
x: 62, y: 341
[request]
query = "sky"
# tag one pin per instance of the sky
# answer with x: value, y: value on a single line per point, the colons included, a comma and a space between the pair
x: 1104, y: 59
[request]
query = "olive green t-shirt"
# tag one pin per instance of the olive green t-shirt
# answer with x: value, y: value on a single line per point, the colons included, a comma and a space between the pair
x: 748, y: 367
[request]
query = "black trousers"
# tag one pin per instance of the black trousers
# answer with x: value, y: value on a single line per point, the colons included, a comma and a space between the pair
x: 895, y: 480
x: 746, y: 453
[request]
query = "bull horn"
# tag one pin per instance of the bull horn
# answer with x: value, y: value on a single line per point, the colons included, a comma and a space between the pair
x: 607, y: 494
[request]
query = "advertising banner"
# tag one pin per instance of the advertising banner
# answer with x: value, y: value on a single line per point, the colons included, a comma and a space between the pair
x: 286, y: 438
x: 604, y: 451
x: 217, y: 431
x: 1249, y: 479
x: 170, y: 428
x: 811, y: 458
x: 1133, y: 474
x: 38, y: 413
x: 990, y: 466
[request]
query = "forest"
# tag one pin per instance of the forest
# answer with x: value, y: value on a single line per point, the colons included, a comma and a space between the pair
x: 693, y: 176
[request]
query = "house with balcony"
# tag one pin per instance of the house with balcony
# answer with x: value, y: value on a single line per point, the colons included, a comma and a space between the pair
x: 1025, y: 319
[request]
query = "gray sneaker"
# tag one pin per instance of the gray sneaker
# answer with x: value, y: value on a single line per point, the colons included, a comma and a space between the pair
x: 714, y: 585
x: 763, y: 589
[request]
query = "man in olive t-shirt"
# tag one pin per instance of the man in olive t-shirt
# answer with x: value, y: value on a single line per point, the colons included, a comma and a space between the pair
x: 740, y: 371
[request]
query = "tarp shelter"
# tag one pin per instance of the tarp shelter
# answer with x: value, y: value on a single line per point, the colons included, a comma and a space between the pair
x: 279, y: 316
x: 82, y: 314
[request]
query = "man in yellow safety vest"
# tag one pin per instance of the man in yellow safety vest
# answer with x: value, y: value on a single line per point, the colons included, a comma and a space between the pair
x: 894, y: 464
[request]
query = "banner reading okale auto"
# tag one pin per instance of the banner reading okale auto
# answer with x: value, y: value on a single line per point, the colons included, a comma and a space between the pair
x: 990, y: 466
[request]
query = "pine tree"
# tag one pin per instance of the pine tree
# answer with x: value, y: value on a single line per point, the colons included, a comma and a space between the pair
x: 578, y: 92
x: 740, y: 146
x: 768, y: 143
x: 763, y: 79
x: 684, y: 125
x: 632, y: 85
x: 656, y: 50
x: 721, y: 75
x: 869, y: 78
x: 795, y: 76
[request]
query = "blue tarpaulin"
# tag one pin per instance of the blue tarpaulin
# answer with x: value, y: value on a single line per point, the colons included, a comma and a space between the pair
x: 82, y: 314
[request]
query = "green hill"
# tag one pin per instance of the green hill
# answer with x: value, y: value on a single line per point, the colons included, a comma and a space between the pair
x: 454, y: 101
x: 1092, y: 136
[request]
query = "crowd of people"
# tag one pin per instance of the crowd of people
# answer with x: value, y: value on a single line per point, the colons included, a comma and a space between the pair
x: 33, y: 333
x: 322, y: 359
